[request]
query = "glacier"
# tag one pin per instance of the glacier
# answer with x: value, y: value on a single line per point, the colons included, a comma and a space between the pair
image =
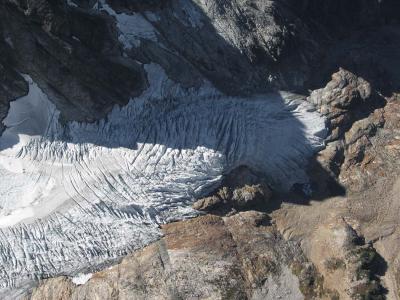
x: 75, y: 195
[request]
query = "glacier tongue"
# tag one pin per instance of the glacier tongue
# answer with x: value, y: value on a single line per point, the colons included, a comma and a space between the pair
x: 75, y: 195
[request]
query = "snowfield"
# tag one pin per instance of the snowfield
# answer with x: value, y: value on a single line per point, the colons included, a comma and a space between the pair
x: 75, y: 195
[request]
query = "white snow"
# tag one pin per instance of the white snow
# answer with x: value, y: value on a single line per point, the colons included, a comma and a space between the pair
x: 29, y: 117
x: 133, y: 27
x: 81, y: 278
x: 74, y: 195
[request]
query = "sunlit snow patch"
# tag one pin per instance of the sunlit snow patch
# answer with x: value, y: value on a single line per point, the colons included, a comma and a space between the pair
x: 29, y: 118
x: 87, y: 193
x: 81, y: 278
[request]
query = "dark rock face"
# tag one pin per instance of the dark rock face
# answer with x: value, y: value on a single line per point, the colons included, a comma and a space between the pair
x: 370, y: 53
x: 73, y: 54
x: 137, y: 5
x: 341, y: 17
x: 242, y: 47
x: 12, y: 86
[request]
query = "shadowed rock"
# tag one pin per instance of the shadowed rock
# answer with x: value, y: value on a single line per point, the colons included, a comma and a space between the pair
x: 242, y: 189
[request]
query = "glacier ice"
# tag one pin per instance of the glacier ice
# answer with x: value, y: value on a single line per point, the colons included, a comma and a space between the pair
x: 75, y: 195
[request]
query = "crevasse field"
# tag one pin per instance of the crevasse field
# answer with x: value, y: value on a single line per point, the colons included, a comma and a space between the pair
x: 75, y: 195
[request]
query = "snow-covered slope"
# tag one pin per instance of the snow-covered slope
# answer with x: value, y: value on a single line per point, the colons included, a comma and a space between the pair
x: 75, y: 195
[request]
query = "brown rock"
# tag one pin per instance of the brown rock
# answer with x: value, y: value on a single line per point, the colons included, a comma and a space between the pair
x: 372, y: 148
x: 241, y: 189
x: 209, y: 257
x: 251, y: 196
x: 346, y: 262
x: 207, y: 203
x: 59, y: 288
x: 344, y: 100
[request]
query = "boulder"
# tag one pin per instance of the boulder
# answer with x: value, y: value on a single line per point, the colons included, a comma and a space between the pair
x: 242, y: 189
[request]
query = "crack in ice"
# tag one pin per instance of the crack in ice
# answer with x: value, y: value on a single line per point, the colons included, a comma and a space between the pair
x: 75, y: 195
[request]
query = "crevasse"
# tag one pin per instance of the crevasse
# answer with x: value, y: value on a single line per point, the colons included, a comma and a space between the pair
x: 75, y: 195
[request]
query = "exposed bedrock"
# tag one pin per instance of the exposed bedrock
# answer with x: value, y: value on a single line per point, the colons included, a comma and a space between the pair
x: 73, y: 54
x: 242, y: 47
x: 363, y: 130
x: 241, y: 256
x: 241, y: 189
x: 237, y: 257
x: 363, y: 153
x: 340, y: 18
x: 345, y: 100
x: 12, y: 86
x: 264, y: 44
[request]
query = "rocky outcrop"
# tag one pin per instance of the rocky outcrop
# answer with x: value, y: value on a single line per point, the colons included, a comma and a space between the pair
x: 242, y: 189
x: 353, y: 112
x: 77, y: 55
x: 372, y: 148
x: 341, y: 18
x: 349, y: 265
x: 345, y: 99
x: 362, y: 142
x: 363, y: 155
x: 73, y: 54
x: 331, y: 234
x: 237, y: 257
x: 12, y: 86
x: 242, y: 47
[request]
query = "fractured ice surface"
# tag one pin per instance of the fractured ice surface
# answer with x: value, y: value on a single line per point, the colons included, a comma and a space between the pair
x: 74, y: 195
